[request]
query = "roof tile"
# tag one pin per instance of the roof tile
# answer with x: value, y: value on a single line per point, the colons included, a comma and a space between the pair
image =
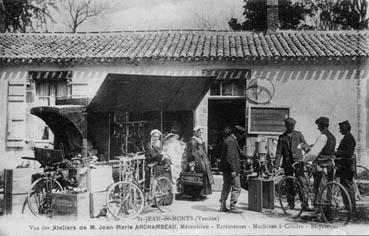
x: 54, y: 47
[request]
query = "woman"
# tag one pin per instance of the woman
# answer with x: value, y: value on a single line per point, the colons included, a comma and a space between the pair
x: 199, y: 163
x: 154, y: 154
x: 175, y: 149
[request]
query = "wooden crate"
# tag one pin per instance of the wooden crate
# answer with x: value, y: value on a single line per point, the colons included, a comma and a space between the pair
x: 71, y: 206
x: 268, y: 193
x: 99, y: 179
x: 261, y: 194
x: 97, y: 203
x: 255, y: 195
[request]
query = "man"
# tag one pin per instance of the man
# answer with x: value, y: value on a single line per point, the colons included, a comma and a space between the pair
x: 230, y: 166
x: 287, y: 149
x: 346, y: 161
x: 322, y: 153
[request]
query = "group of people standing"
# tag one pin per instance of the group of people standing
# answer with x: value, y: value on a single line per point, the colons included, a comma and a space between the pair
x: 289, y: 151
x: 193, y: 157
x: 323, y: 154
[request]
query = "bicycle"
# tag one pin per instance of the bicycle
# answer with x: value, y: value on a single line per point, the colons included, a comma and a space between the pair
x: 58, y: 175
x: 128, y: 197
x: 39, y: 196
x: 278, y: 175
x: 332, y: 199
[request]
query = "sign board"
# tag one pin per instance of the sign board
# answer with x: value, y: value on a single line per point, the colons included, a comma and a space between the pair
x: 267, y: 120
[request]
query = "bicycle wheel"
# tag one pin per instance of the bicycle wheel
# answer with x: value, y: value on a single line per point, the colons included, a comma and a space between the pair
x: 335, y: 203
x: 39, y: 197
x: 125, y: 200
x: 277, y: 177
x: 163, y: 193
x: 292, y: 206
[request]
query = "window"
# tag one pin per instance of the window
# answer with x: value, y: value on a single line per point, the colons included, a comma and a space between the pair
x: 229, y: 81
x: 42, y: 89
x: 232, y: 88
x: 46, y: 86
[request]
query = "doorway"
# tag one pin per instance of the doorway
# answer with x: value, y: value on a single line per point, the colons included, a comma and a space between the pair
x: 222, y: 113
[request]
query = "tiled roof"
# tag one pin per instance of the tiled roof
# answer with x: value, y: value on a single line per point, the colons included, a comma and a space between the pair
x: 181, y: 45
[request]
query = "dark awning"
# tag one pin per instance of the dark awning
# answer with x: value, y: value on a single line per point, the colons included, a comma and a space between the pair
x: 135, y: 93
x: 67, y: 122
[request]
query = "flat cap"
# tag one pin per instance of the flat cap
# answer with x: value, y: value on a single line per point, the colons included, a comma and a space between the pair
x: 290, y: 121
x: 323, y: 121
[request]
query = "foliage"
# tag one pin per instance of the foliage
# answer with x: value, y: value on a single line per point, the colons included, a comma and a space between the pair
x: 341, y: 14
x: 312, y: 14
x: 26, y: 15
x: 292, y: 15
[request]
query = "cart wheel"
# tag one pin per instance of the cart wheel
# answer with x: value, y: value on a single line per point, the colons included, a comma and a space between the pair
x: 163, y: 193
x: 125, y: 200
x: 297, y: 190
x: 39, y: 197
x: 335, y: 204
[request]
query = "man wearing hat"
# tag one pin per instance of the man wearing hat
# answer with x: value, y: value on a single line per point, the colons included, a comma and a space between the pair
x: 288, y: 151
x: 346, y: 161
x: 230, y: 166
x: 322, y: 153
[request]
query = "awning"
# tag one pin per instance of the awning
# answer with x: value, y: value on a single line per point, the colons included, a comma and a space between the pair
x: 67, y: 122
x: 228, y: 74
x: 51, y: 75
x: 135, y: 93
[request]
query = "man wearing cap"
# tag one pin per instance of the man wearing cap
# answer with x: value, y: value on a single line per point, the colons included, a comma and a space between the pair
x: 322, y: 153
x: 346, y: 161
x: 230, y: 166
x: 288, y: 151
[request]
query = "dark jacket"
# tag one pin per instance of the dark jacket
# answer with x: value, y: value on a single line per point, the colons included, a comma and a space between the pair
x: 347, y: 146
x: 153, y: 154
x: 287, y: 147
x: 346, y: 149
x: 230, y: 159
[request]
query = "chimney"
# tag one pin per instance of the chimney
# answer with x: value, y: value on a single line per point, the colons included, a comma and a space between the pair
x: 272, y: 15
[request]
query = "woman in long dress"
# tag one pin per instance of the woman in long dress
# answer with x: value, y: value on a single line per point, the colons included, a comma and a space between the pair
x: 198, y: 161
x: 175, y: 149
x: 155, y: 154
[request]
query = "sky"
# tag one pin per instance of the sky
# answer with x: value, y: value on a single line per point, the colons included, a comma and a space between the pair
x: 163, y: 14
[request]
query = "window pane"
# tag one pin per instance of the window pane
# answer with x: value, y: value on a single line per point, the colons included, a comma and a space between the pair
x: 238, y: 88
x: 227, y: 89
x: 215, y: 89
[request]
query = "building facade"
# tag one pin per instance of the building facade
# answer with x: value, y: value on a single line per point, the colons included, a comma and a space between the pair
x: 312, y: 74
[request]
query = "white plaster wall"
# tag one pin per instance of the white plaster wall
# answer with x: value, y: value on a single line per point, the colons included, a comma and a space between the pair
x: 309, y: 90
